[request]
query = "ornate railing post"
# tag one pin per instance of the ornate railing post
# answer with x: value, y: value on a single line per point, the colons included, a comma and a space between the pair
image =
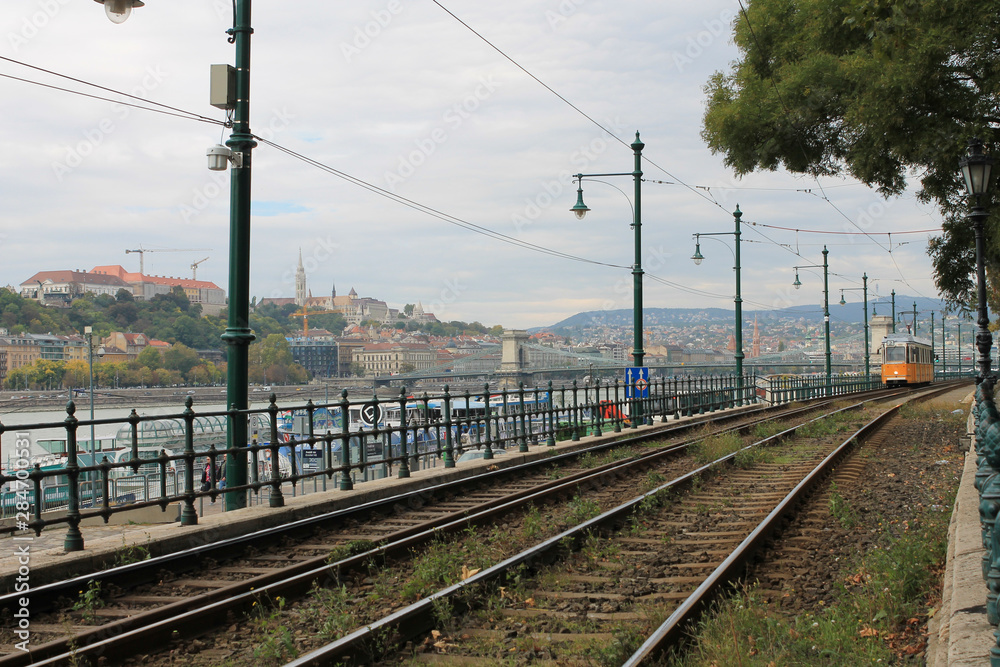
x: 575, y: 416
x: 551, y: 440
x: 595, y: 409
x: 277, y: 499
x: 189, y: 517
x: 523, y: 440
x: 74, y: 538
x: 449, y: 459
x: 488, y: 452
x: 346, y: 482
x: 404, y: 463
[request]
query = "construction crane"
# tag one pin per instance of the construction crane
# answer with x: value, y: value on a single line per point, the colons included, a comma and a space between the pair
x: 142, y: 253
x: 194, y: 268
x: 304, y: 314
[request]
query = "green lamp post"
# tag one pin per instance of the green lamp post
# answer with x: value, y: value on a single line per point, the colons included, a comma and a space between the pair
x: 238, y: 334
x: 864, y: 289
x: 697, y: 258
x: 580, y: 209
x: 893, y: 311
x: 826, y: 309
x: 976, y: 170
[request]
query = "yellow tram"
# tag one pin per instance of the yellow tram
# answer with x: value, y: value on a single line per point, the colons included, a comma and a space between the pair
x: 906, y: 360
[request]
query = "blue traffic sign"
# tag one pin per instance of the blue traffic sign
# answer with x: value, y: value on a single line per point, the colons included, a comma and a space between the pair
x: 637, y: 382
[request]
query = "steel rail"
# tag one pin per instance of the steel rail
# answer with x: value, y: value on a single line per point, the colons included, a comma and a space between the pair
x: 146, y: 570
x: 121, y: 638
x: 135, y: 633
x: 671, y: 631
x: 419, y: 617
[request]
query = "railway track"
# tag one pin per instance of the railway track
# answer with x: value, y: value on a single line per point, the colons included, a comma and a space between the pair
x: 593, y: 595
x: 161, y: 601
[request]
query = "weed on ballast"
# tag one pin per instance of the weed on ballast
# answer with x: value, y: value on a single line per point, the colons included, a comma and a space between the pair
x: 127, y: 554
x: 331, y: 607
x: 950, y: 413
x: 534, y: 523
x: 753, y: 456
x: 840, y: 510
x: 89, y: 602
x: 715, y: 447
x: 446, y: 563
x: 879, y: 597
x: 581, y: 509
x: 766, y: 430
x: 275, y: 644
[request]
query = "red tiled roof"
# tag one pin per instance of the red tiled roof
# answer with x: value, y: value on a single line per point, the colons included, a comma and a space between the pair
x: 118, y: 270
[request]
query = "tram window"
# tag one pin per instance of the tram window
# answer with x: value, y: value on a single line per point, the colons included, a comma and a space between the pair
x: 895, y: 355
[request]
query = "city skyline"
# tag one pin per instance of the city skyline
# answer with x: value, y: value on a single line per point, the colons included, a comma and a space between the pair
x: 408, y: 99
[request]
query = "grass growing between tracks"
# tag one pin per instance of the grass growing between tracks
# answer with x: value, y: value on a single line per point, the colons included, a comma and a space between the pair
x: 875, y: 619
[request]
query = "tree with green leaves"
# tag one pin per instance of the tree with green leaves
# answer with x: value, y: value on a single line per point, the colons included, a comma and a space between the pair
x: 179, y: 357
x: 879, y: 90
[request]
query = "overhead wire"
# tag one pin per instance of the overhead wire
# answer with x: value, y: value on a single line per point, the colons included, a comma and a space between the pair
x: 174, y: 111
x: 165, y: 108
x: 450, y: 219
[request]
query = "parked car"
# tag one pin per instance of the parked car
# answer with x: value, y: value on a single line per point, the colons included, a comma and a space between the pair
x: 474, y: 454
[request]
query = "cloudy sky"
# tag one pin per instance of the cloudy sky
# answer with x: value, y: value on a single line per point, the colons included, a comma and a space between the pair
x: 404, y: 97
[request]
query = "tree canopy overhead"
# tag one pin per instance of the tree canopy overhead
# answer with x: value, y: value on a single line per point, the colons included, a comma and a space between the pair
x: 879, y: 90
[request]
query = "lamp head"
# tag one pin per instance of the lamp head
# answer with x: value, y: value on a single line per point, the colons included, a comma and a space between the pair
x: 119, y: 10
x: 697, y: 256
x: 842, y: 302
x: 798, y: 283
x: 976, y: 169
x: 579, y: 209
x: 218, y: 157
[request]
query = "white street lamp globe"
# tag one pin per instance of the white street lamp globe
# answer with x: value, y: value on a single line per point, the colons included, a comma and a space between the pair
x: 118, y: 11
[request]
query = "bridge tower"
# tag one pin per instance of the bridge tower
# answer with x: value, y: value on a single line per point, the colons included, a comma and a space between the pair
x: 514, y: 359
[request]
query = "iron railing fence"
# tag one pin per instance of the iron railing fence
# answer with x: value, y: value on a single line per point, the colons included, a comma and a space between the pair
x: 351, y: 441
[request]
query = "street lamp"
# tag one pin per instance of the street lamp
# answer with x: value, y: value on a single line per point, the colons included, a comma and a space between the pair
x: 976, y: 170
x: 826, y: 308
x: 580, y: 210
x: 864, y: 288
x: 893, y: 311
x: 697, y: 257
x: 238, y: 334
x: 89, y: 333
x: 119, y: 10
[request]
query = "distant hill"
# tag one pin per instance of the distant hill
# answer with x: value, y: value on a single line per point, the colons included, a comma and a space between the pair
x: 852, y: 311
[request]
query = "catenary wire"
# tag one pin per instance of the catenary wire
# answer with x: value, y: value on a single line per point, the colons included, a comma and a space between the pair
x: 450, y: 219
x: 175, y: 110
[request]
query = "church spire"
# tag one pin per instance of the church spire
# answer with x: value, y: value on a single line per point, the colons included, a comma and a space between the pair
x: 300, y: 282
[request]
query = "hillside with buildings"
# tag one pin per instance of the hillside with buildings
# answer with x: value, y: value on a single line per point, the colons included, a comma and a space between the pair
x: 150, y: 330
